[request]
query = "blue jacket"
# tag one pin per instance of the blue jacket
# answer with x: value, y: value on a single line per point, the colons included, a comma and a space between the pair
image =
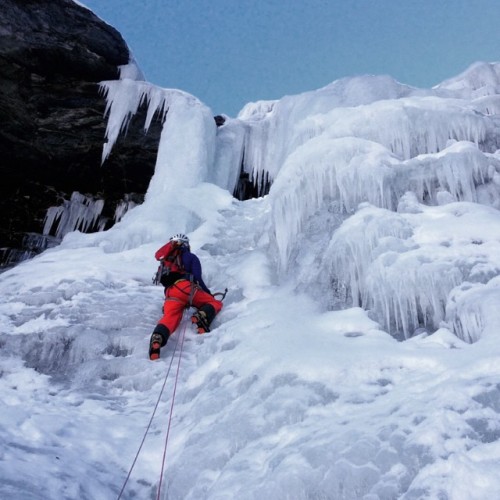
x: 192, y: 265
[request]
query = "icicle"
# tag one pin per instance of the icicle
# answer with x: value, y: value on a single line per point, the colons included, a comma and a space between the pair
x: 406, y: 267
x: 123, y: 99
x: 352, y: 247
x: 131, y: 71
x: 355, y: 170
x: 228, y: 155
x: 80, y: 212
x: 123, y: 207
x: 489, y: 105
x: 472, y: 310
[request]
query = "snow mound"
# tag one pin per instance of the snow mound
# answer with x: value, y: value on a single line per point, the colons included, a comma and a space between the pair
x: 480, y: 79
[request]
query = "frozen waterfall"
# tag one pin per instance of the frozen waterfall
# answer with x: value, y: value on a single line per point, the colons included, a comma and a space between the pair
x: 356, y: 141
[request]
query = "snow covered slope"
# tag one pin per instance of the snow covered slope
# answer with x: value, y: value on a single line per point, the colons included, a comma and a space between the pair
x: 356, y: 356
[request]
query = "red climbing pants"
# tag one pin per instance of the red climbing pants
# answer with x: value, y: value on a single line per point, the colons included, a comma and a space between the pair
x: 178, y: 297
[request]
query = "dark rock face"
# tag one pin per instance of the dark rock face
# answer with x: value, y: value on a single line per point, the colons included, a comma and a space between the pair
x: 53, y: 54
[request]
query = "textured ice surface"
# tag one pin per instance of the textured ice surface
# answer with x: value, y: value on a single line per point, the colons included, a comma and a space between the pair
x: 384, y: 209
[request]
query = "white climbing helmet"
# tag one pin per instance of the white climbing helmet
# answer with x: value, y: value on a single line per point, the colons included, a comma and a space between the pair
x: 181, y: 239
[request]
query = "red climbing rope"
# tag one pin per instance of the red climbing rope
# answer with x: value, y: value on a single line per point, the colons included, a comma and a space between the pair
x: 152, y: 416
x: 171, y: 411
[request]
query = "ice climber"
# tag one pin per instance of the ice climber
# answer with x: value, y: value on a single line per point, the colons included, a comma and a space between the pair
x: 180, y: 274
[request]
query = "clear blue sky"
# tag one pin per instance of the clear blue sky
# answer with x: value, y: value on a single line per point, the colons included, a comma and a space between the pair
x: 230, y: 52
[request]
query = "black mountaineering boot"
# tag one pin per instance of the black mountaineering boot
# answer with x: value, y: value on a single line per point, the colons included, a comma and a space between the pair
x: 203, y: 317
x: 154, y: 346
x: 158, y: 339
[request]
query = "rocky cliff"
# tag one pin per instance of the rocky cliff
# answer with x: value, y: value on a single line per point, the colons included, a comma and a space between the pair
x: 53, y: 54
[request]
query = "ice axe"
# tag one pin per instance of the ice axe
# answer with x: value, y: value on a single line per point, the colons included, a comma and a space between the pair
x: 222, y: 294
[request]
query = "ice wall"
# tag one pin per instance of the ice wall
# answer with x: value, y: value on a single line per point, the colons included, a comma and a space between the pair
x: 188, y: 147
x: 409, y: 153
x: 274, y: 129
x: 228, y: 155
x: 185, y: 160
x: 406, y: 120
x: 415, y: 268
x: 402, y: 154
x: 355, y: 170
